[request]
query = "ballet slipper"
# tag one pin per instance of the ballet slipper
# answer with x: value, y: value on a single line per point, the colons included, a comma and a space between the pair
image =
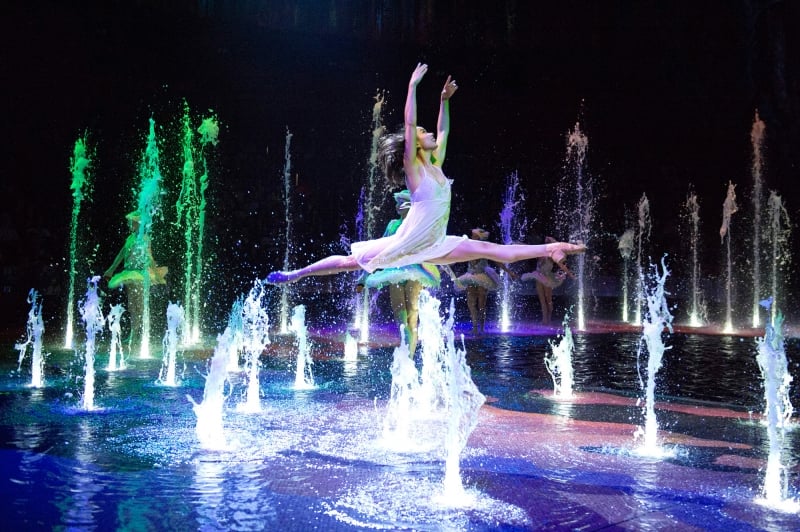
x: 281, y: 277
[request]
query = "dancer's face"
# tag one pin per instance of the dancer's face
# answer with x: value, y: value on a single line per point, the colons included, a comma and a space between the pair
x: 425, y: 140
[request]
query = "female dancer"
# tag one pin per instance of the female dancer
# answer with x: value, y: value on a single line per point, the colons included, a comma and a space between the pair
x: 478, y: 281
x: 546, y: 280
x: 422, y: 236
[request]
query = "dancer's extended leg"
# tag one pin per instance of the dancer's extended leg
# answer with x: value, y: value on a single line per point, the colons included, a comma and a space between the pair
x: 327, y: 266
x: 476, y: 249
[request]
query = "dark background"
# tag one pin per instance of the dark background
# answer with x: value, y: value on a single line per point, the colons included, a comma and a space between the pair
x: 666, y: 93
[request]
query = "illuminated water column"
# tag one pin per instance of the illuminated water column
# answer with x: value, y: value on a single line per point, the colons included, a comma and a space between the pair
x: 657, y: 319
x: 625, y: 247
x: 148, y: 204
x: 371, y: 201
x: 187, y: 206
x: 779, y: 230
x: 191, y: 207
x: 576, y: 210
x: 79, y: 166
x: 642, y: 239
x: 757, y: 140
x: 287, y: 199
x: 728, y: 209
x: 510, y: 224
x: 692, y: 213
x: 209, y: 134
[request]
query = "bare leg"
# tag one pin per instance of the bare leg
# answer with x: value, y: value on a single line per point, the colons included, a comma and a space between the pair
x: 548, y: 295
x: 482, y: 293
x: 135, y: 310
x: 405, y: 306
x: 547, y: 309
x: 412, y: 290
x: 472, y: 303
x: 327, y: 266
x: 397, y: 296
x: 476, y: 249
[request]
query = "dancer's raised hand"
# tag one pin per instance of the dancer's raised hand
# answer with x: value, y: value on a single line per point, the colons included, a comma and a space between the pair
x: 418, y: 74
x: 449, y: 88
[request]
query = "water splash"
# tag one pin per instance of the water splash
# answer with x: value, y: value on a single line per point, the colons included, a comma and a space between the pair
x: 464, y: 402
x: 255, y: 335
x: 81, y: 184
x: 418, y: 395
x: 210, y: 429
x: 33, y: 331
x: 92, y: 316
x: 559, y: 363
x: 304, y: 376
x: 402, y: 397
x: 657, y: 318
x: 442, y: 391
x: 432, y: 396
x: 114, y: 321
x: 757, y: 141
x: 642, y: 240
x: 350, y: 347
x: 287, y: 199
x: 148, y: 204
x: 510, y: 225
x: 779, y: 231
x: 728, y: 209
x: 236, y: 326
x: 697, y: 314
x: 625, y: 246
x: 774, y: 368
x: 175, y: 328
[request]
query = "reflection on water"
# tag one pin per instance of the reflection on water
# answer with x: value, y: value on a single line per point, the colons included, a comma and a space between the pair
x: 313, y: 459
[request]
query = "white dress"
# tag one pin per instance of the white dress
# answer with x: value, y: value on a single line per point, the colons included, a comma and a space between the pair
x: 422, y: 235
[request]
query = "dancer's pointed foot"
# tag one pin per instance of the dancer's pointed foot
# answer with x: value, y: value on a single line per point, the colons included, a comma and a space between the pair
x: 282, y: 277
x: 558, y: 251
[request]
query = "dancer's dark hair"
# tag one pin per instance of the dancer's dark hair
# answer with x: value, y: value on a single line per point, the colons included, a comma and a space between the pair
x: 391, y: 148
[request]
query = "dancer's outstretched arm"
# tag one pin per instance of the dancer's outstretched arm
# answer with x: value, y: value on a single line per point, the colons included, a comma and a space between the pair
x: 410, y: 163
x: 443, y: 123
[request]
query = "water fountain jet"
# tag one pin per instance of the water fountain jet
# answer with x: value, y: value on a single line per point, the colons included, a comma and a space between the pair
x: 34, y: 330
x: 510, y: 225
x: 304, y: 376
x: 697, y: 313
x: 642, y: 239
x: 625, y: 246
x: 559, y: 363
x: 92, y: 316
x: 774, y: 368
x: 757, y: 141
x: 176, y: 323
x: 729, y: 207
x: 114, y: 321
x: 287, y: 199
x: 255, y: 334
x: 657, y: 318
x: 80, y: 185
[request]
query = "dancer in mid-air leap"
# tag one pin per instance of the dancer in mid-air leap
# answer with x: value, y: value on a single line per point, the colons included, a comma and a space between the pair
x: 413, y: 159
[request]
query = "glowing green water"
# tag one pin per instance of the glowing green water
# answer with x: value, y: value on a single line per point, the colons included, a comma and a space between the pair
x: 80, y: 184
